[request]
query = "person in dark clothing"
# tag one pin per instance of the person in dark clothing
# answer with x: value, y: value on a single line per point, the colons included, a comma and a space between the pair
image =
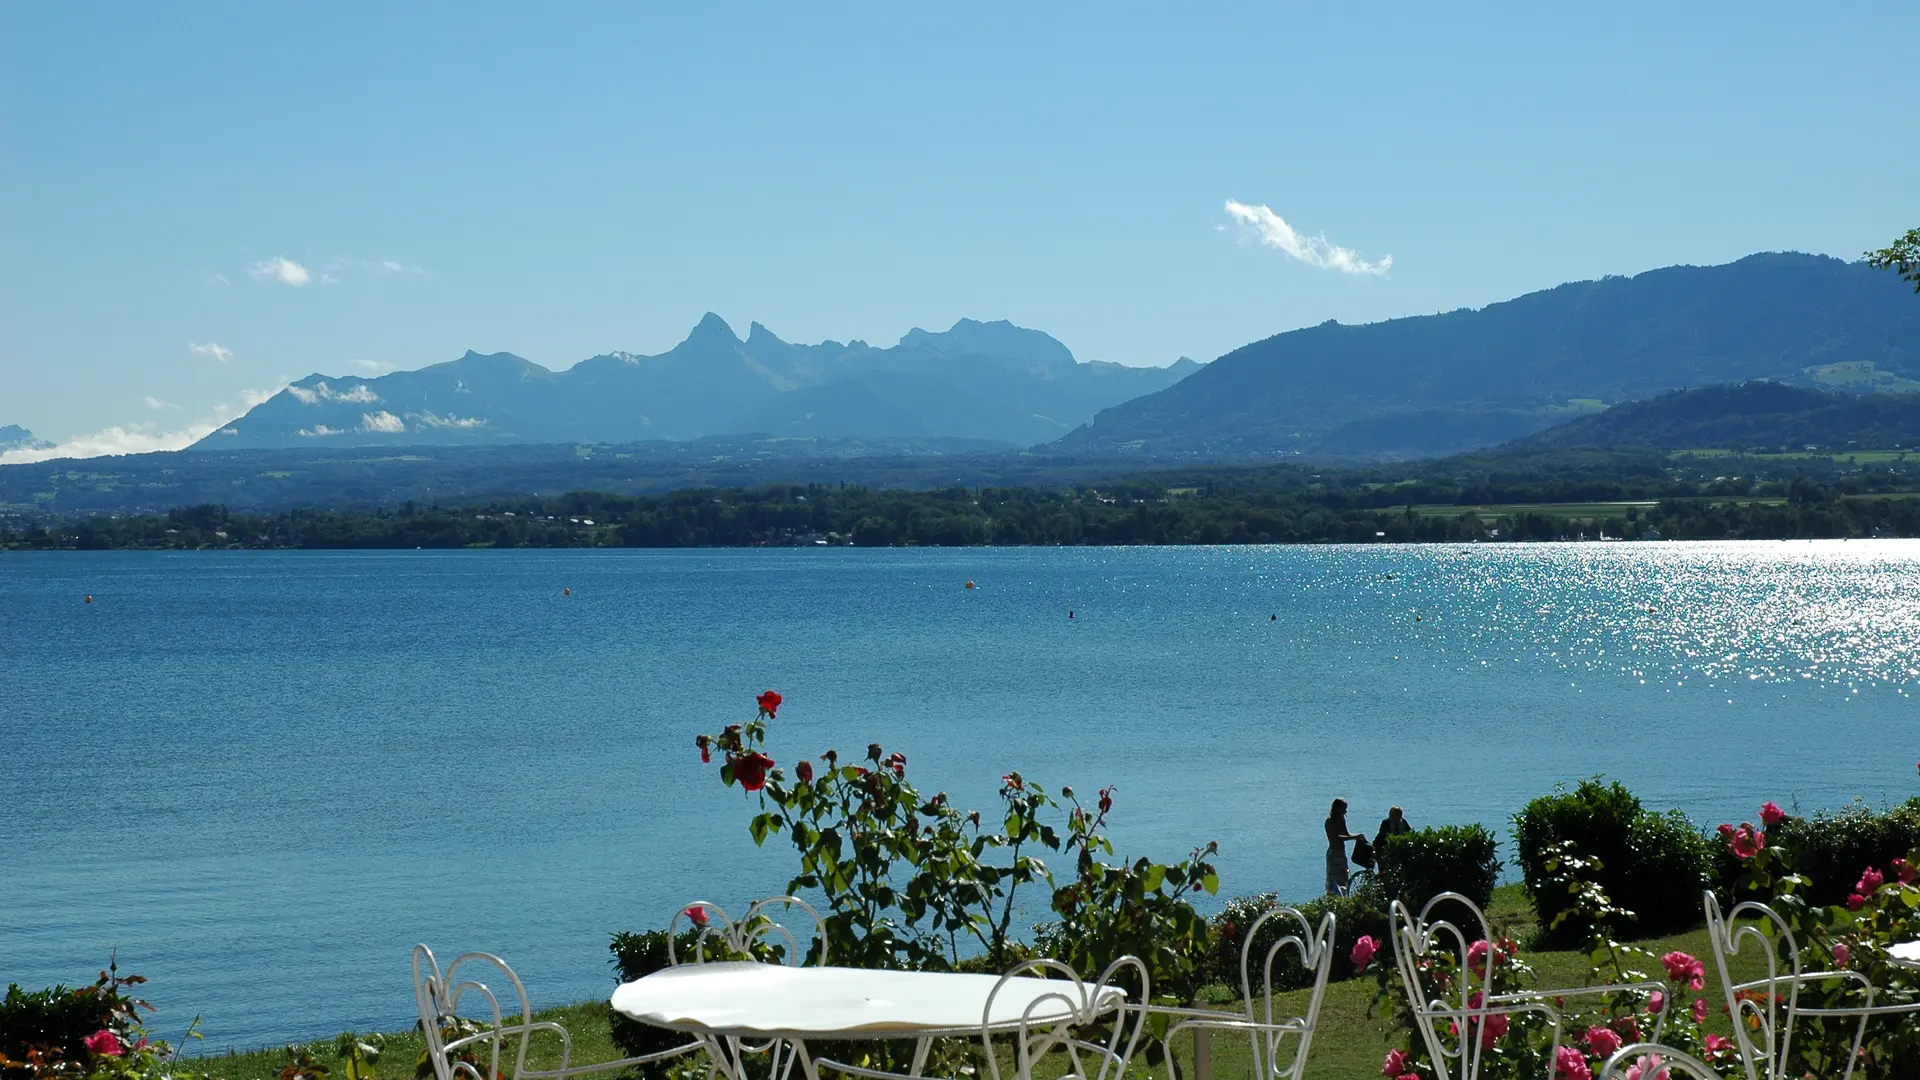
x: 1394, y: 824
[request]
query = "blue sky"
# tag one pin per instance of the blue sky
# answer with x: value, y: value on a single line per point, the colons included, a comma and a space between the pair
x: 200, y: 201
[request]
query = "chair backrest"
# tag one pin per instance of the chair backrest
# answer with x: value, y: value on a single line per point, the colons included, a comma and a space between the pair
x: 1766, y: 1010
x: 1314, y: 948
x: 756, y: 934
x: 1102, y: 1028
x: 461, y: 1047
x: 1449, y: 1017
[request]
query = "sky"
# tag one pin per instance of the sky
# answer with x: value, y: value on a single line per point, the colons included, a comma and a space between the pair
x: 202, y: 201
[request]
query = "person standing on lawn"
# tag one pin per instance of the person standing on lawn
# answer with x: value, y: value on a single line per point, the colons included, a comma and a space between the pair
x: 1338, y: 878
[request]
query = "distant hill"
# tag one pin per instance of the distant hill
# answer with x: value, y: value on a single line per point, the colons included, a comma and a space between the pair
x: 1756, y: 416
x: 1436, y: 384
x: 15, y: 437
x: 982, y: 381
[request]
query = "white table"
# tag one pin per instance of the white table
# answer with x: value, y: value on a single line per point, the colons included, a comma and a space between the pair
x: 1907, y: 954
x: 744, y: 1001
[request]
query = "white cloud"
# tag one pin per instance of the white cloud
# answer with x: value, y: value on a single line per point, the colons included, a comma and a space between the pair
x: 218, y: 279
x: 281, y: 269
x: 382, y: 421
x: 391, y: 267
x: 361, y: 394
x: 212, y: 350
x: 438, y: 421
x: 373, y: 367
x: 142, y: 438
x: 1263, y: 225
x: 319, y: 431
x: 156, y: 404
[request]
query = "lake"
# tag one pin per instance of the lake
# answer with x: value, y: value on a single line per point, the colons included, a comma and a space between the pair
x: 262, y: 776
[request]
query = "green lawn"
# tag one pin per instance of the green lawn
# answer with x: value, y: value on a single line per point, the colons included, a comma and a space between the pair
x: 1349, y: 1045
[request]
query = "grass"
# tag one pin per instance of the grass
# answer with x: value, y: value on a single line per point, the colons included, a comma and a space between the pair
x: 1845, y: 457
x: 1351, y: 1040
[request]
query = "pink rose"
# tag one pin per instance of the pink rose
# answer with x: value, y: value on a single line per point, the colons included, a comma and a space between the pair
x: 1855, y: 901
x: 1658, y: 1002
x: 1903, y: 872
x: 1628, y: 1027
x: 697, y: 915
x: 103, y: 1042
x: 1363, y: 951
x: 1682, y: 968
x: 1699, y: 1010
x: 1395, y: 1065
x: 1602, y: 1041
x: 1570, y: 1064
x: 1746, y: 841
x: 1648, y: 1067
x: 1841, y: 954
x: 1718, y: 1045
x: 1870, y: 882
x: 1771, y: 815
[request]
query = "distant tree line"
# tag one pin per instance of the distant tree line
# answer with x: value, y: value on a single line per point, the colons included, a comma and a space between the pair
x: 1287, y: 506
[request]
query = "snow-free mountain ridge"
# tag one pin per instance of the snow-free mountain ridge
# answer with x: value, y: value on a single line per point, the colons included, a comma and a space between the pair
x: 978, y: 380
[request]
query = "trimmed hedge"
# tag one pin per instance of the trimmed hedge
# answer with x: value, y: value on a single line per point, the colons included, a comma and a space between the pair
x: 634, y: 955
x: 1655, y: 865
x: 1417, y: 866
x: 1364, y: 912
x: 1831, y: 849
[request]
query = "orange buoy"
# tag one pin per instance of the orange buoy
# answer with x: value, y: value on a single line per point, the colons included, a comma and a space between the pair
x: 568, y: 591
x: 89, y: 598
x: 969, y: 584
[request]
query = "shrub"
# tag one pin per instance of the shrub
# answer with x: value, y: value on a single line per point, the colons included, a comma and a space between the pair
x: 1362, y: 913
x: 1830, y: 850
x: 1652, y: 865
x: 1417, y: 866
x: 635, y: 955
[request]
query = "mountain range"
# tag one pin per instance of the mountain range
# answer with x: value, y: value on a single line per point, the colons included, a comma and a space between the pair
x: 15, y: 437
x: 1436, y: 384
x: 1763, y: 417
x: 979, y: 380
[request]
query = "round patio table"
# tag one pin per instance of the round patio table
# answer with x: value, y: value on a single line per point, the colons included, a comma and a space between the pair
x: 751, y: 1002
x: 1906, y: 954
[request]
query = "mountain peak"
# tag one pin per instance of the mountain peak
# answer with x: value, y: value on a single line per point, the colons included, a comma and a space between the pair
x: 760, y: 335
x: 712, y: 328
x: 998, y: 338
x: 15, y: 437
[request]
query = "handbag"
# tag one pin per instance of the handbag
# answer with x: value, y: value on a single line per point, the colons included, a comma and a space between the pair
x: 1363, y: 854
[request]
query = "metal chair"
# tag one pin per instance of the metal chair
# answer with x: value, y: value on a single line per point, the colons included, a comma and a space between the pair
x: 753, y: 936
x: 1448, y: 1020
x: 459, y: 1048
x: 1766, y: 1010
x: 1267, y: 1030
x: 1089, y: 1024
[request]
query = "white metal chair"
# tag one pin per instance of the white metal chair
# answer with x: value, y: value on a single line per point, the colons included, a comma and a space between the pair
x: 460, y: 1048
x: 1766, y: 1010
x: 1091, y: 1025
x: 755, y: 935
x: 1267, y: 1030
x: 1447, y: 1021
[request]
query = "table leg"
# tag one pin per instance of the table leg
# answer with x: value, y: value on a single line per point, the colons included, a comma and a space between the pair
x: 920, y: 1056
x: 807, y: 1066
x: 1203, y: 1054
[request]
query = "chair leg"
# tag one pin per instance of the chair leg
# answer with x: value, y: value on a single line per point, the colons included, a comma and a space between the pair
x: 1203, y: 1055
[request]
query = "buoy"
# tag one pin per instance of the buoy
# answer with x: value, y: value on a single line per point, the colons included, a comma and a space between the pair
x: 568, y: 591
x: 969, y: 584
x: 1417, y: 618
x: 89, y: 598
x: 1273, y: 618
x: 1069, y: 613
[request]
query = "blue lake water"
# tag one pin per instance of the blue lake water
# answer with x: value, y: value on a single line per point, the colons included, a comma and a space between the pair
x: 262, y: 777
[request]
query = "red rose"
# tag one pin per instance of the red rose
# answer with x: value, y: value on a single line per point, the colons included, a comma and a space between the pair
x: 831, y: 757
x: 804, y: 771
x: 769, y: 704
x: 103, y: 1042
x: 873, y: 751
x: 705, y: 743
x: 751, y: 770
x: 1106, y: 799
x: 697, y: 915
x: 1771, y: 815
